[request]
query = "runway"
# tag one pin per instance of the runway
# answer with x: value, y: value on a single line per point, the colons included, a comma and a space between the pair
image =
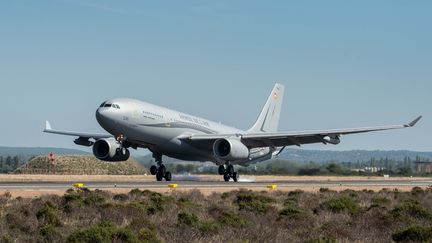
x: 217, y: 185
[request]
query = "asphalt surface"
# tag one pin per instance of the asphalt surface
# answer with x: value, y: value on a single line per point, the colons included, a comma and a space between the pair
x: 195, y: 184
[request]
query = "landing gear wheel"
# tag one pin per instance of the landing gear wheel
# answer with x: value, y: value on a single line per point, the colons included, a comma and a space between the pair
x: 168, y: 176
x: 230, y: 169
x: 153, y: 169
x: 227, y: 177
x: 162, y: 170
x: 235, y: 176
x: 221, y: 170
x: 123, y: 151
x: 159, y: 176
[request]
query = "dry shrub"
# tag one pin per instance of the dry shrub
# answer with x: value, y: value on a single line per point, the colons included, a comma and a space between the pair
x: 342, y: 203
x: 227, y: 217
x: 48, y: 214
x: 411, y: 209
x: 253, y: 202
x: 413, y: 234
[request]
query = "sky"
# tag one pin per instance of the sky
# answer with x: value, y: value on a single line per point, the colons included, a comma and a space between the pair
x: 343, y: 63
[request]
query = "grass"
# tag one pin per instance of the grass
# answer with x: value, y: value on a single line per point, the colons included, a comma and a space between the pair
x: 236, y: 216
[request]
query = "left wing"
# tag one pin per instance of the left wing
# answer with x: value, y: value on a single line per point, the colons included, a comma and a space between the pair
x: 83, y: 138
x: 280, y: 139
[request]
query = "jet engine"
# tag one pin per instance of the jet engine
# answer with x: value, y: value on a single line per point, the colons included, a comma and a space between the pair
x: 230, y: 149
x: 333, y: 139
x: 108, y: 149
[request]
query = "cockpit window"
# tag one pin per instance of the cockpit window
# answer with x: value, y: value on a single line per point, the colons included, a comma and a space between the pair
x: 107, y: 105
x: 102, y: 105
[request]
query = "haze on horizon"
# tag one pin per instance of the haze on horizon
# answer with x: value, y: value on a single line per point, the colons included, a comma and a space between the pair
x: 344, y: 64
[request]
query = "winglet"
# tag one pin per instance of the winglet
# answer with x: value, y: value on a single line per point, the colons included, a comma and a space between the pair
x: 47, y: 126
x: 411, y: 124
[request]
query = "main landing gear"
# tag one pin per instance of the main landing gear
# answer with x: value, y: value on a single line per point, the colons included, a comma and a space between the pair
x: 228, y: 172
x: 160, y: 170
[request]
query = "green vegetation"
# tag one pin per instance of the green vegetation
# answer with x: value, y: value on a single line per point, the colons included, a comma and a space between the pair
x: 252, y: 202
x: 414, y: 234
x: 9, y: 163
x: 146, y: 216
x: 341, y: 203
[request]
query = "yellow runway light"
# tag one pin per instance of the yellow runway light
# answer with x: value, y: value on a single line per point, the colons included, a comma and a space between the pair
x: 78, y: 185
x: 172, y: 186
x: 272, y: 187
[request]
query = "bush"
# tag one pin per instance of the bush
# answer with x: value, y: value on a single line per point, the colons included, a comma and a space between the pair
x: 209, y: 227
x: 139, y: 223
x: 71, y: 197
x: 95, y: 198
x: 50, y: 234
x: 292, y: 212
x: 417, y: 191
x: 413, y: 234
x: 188, y: 219
x: 157, y: 202
x: 48, y: 214
x: 121, y: 197
x: 104, y: 231
x: 342, y: 203
x: 295, y: 193
x: 16, y: 220
x: 380, y: 201
x: 185, y: 202
x: 325, y: 190
x: 411, y: 209
x: 6, y: 239
x: 148, y: 235
x: 321, y: 240
x: 227, y: 217
x: 252, y: 202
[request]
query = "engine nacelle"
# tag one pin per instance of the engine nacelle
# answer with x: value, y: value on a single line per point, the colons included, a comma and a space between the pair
x: 332, y: 139
x: 108, y: 149
x: 230, y: 149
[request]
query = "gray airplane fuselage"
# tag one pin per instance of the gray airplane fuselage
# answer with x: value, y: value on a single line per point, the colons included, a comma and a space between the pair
x: 160, y: 129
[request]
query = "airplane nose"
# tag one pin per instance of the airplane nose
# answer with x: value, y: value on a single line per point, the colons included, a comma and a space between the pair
x: 100, y: 115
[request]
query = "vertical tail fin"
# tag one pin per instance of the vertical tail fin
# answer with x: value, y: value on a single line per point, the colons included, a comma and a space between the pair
x: 268, y: 120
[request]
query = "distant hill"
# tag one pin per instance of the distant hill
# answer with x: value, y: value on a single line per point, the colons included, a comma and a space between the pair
x: 24, y: 154
x: 11, y: 151
x: 80, y: 165
x: 320, y: 156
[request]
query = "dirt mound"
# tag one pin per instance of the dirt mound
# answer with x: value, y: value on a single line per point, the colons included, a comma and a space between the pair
x: 80, y: 165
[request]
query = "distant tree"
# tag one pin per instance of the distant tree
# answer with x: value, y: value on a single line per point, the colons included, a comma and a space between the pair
x: 189, y: 168
x: 334, y: 168
x: 15, y: 162
x: 308, y: 171
x: 8, y: 161
x: 405, y: 171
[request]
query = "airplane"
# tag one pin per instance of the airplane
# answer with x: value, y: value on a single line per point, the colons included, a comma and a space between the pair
x: 132, y: 123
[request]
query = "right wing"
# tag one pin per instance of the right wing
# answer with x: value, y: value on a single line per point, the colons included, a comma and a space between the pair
x: 82, y: 137
x: 280, y: 139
